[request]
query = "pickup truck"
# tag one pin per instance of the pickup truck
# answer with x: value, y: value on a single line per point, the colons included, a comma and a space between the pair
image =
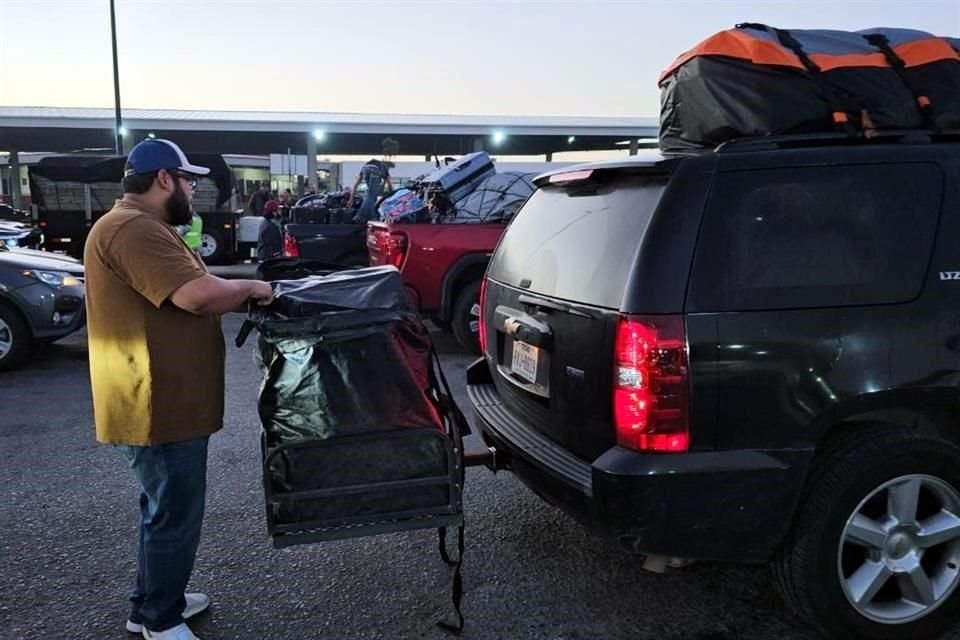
x: 442, y: 266
x: 331, y: 243
x: 442, y: 263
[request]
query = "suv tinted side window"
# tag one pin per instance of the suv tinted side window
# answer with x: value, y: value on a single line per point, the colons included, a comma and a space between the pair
x: 800, y: 237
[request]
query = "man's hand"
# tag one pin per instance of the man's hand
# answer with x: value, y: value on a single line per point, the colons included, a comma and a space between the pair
x: 262, y: 292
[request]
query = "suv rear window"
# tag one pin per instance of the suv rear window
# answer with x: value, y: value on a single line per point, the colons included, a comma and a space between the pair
x: 804, y: 237
x: 578, y: 242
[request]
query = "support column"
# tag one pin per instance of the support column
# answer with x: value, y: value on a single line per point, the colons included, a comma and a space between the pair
x: 311, y: 162
x: 478, y: 144
x: 550, y: 157
x: 16, y: 201
x: 634, y: 146
x: 428, y: 158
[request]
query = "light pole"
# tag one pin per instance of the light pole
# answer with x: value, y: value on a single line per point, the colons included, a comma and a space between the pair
x: 116, y: 83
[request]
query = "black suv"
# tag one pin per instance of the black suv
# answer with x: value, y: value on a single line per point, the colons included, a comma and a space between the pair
x: 750, y: 354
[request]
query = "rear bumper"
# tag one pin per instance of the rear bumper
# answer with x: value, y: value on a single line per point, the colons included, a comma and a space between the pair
x: 711, y: 505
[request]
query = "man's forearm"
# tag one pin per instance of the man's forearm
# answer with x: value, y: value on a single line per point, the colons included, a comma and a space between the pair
x: 228, y: 295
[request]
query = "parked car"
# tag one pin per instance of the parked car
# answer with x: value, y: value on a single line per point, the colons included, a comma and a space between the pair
x: 12, y: 214
x: 18, y: 234
x: 41, y: 300
x: 750, y: 354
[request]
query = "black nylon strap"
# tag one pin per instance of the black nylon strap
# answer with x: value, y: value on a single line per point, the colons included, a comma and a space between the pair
x: 442, y: 531
x: 458, y: 427
x: 457, y: 595
x: 927, y: 109
x: 245, y: 330
x: 836, y: 106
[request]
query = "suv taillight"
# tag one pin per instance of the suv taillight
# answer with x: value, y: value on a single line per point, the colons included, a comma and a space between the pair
x: 390, y: 245
x: 483, y: 324
x: 650, y: 384
x: 290, y: 248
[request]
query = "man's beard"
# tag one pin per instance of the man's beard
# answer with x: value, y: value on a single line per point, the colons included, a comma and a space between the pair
x: 178, y: 208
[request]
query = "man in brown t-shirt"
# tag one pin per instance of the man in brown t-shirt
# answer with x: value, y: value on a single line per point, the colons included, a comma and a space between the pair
x: 157, y: 370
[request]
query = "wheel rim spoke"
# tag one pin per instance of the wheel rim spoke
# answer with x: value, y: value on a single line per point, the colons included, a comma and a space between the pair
x: 916, y: 587
x: 866, y: 532
x: 902, y: 499
x: 6, y: 339
x: 938, y: 529
x: 867, y: 581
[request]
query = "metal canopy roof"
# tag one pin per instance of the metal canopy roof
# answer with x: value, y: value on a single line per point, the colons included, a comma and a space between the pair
x: 260, y: 132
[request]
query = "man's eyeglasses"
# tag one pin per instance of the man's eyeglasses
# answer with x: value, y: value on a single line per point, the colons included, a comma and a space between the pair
x: 191, y: 179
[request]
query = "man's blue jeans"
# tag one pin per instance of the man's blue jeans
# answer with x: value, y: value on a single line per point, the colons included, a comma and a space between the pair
x: 368, y: 208
x: 173, y: 482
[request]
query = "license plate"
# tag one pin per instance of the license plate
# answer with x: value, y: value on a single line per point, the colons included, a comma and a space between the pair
x: 525, y: 360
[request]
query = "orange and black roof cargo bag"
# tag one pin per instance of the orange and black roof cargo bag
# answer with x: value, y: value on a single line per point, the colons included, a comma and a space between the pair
x: 756, y: 80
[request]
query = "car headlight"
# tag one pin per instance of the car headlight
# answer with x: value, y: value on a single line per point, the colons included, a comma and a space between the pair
x: 54, y: 278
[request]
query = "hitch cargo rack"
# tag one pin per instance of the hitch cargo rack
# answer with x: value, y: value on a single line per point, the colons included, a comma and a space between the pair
x: 445, y: 481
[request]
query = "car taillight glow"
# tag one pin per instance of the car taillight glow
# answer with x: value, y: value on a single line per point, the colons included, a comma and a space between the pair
x: 650, y: 384
x: 483, y: 324
x: 394, y: 248
x: 290, y: 248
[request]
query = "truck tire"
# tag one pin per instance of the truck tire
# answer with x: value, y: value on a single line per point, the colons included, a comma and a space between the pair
x: 874, y: 552
x: 213, y: 247
x: 466, y: 318
x: 16, y: 340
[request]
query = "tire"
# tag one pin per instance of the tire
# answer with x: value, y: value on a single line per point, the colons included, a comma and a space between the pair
x: 466, y: 318
x: 212, y: 247
x: 16, y: 340
x: 855, y: 490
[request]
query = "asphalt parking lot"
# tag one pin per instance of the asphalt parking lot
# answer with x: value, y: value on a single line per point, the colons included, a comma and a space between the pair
x: 68, y: 520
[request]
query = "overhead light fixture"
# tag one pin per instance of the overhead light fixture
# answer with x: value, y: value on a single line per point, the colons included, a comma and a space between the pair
x: 151, y: 135
x: 319, y: 134
x: 571, y: 139
x: 122, y: 131
x: 499, y: 137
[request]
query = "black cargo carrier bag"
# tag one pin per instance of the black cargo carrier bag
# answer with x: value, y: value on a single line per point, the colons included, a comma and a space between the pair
x: 360, y: 432
x: 758, y: 80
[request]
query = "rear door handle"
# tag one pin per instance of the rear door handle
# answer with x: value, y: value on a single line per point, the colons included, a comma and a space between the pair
x: 522, y: 326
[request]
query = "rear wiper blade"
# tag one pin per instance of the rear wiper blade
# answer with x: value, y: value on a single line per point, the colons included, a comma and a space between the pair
x: 550, y: 304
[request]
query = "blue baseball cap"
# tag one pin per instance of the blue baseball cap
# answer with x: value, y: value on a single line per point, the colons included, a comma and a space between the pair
x: 155, y: 154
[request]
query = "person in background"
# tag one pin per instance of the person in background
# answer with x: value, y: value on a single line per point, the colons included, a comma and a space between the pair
x: 373, y: 174
x: 157, y: 359
x: 259, y: 198
x: 287, y: 200
x: 193, y: 233
x: 270, y: 237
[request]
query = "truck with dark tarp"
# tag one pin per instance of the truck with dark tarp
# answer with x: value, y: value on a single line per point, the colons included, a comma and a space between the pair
x: 70, y: 192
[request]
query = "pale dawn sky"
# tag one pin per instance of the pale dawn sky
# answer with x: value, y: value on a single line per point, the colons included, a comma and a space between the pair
x: 457, y: 57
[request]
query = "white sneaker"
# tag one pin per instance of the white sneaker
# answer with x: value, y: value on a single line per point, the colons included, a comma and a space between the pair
x: 196, y: 603
x: 179, y: 632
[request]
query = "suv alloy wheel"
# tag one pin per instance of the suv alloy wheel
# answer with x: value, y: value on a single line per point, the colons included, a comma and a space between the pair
x: 875, y: 549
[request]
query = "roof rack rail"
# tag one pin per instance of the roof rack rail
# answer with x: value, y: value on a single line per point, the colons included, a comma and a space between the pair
x: 905, y: 136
